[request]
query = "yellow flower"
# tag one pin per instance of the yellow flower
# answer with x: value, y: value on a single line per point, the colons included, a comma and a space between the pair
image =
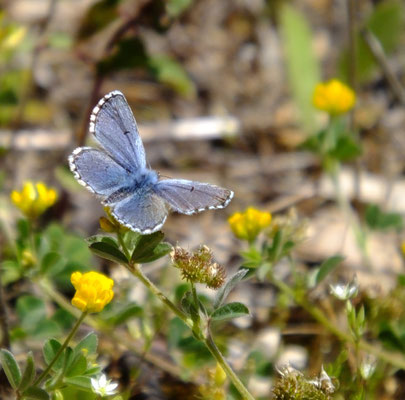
x: 34, y: 199
x: 93, y: 291
x: 333, y: 97
x: 109, y: 224
x: 403, y: 248
x: 249, y: 224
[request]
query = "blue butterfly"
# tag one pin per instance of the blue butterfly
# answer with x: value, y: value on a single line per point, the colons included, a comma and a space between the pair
x: 118, y: 173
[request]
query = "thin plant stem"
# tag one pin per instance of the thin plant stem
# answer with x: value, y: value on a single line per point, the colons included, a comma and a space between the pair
x: 389, y: 357
x: 347, y: 209
x: 136, y: 270
x: 61, y: 349
x: 108, y: 330
x: 123, y: 246
x: 212, y: 347
x: 208, y: 341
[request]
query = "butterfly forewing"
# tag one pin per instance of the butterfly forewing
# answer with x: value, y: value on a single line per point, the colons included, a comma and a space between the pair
x: 97, y: 171
x: 114, y: 126
x: 190, y: 197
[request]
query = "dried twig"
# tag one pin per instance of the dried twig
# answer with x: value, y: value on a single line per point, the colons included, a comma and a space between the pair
x: 378, y: 52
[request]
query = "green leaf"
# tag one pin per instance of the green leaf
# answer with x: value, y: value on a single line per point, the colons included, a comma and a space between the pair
x: 50, y: 349
x: 149, y: 248
x: 230, y: 311
x: 32, y: 314
x: 131, y: 239
x: 298, y: 45
x: 187, y: 304
x: 386, y: 23
x: 111, y: 241
x: 401, y: 279
x: 35, y: 393
x: 102, y: 238
x: 130, y: 54
x: 77, y: 366
x: 145, y: 245
x: 252, y: 258
x: 23, y: 229
x: 176, y: 332
x: 346, y: 149
x: 28, y: 374
x: 68, y: 357
x: 80, y: 382
x: 378, y: 220
x: 10, y: 367
x: 325, y: 269
x: 88, y: 345
x: 176, y: 7
x: 158, y: 252
x: 31, y: 311
x: 11, y: 271
x: 108, y: 252
x: 93, y: 370
x: 123, y: 315
x: 50, y: 260
x: 274, y: 251
x: 224, y: 291
x: 98, y: 17
x: 171, y: 73
x: 63, y: 319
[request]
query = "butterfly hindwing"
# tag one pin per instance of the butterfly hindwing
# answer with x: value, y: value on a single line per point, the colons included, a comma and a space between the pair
x: 114, y: 126
x: 190, y: 197
x: 142, y: 212
x: 97, y: 171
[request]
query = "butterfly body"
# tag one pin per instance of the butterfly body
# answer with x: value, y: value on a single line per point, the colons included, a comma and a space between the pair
x: 118, y: 174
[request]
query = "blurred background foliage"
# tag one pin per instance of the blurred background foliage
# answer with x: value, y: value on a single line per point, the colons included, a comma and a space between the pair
x: 258, y: 61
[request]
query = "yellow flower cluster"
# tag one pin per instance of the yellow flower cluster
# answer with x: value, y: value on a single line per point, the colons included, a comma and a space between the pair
x: 34, y: 199
x: 93, y: 291
x: 249, y: 224
x: 333, y: 97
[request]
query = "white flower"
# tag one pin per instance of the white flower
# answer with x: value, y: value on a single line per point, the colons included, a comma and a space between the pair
x: 368, y: 366
x: 345, y: 292
x: 324, y: 382
x: 103, y: 386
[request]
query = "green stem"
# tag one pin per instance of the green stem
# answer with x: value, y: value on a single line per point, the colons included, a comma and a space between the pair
x: 61, y: 349
x: 196, y: 318
x: 389, y: 357
x: 195, y: 297
x: 108, y: 330
x: 212, y: 347
x: 123, y: 246
x: 137, y: 271
x: 347, y: 209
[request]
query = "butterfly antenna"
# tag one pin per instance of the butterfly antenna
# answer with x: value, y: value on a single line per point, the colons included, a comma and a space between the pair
x: 164, y: 176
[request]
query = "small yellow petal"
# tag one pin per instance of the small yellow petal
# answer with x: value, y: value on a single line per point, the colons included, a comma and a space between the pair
x: 79, y: 303
x: 34, y: 199
x: 249, y: 224
x: 93, y: 291
x: 333, y: 97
